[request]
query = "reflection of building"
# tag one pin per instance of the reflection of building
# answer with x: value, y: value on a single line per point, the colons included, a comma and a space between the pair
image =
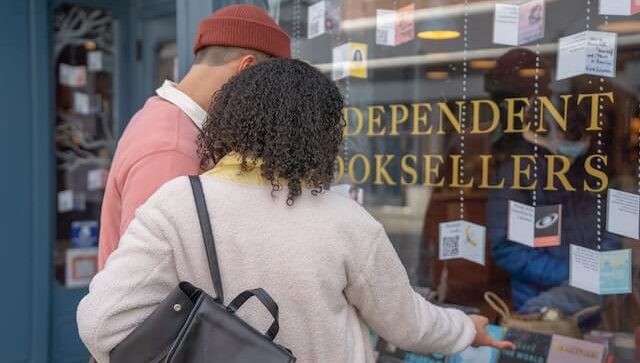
x: 51, y: 103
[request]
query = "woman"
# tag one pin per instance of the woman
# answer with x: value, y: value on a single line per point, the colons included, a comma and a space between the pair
x: 273, y: 133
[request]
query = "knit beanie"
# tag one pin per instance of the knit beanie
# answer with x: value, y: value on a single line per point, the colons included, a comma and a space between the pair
x: 243, y: 26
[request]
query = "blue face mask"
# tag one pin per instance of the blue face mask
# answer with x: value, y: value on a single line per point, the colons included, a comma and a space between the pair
x: 572, y: 149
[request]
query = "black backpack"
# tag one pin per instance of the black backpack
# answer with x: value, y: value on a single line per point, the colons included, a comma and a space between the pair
x: 191, y: 326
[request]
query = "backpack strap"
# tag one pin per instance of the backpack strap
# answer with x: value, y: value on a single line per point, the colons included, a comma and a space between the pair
x: 207, y: 236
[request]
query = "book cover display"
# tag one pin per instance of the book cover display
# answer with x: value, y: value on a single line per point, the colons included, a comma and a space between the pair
x: 535, y: 226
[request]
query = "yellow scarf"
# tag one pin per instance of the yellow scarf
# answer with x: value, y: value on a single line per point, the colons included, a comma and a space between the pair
x: 228, y: 168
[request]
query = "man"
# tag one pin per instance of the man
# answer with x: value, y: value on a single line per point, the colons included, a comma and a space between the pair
x: 159, y: 143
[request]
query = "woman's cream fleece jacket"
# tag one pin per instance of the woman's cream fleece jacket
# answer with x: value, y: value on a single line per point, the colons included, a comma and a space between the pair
x: 326, y: 262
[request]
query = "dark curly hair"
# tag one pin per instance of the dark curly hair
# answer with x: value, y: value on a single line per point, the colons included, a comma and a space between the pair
x: 283, y: 112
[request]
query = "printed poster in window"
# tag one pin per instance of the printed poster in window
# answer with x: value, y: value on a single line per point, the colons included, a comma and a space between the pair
x: 349, y: 60
x: 623, y: 213
x: 72, y: 76
x: 323, y: 17
x: 587, y: 52
x: 462, y: 239
x: 539, y: 226
x: 80, y: 267
x: 518, y: 23
x: 395, y: 27
x: 600, y: 272
x: 619, y: 7
x: 316, y: 19
x: 332, y: 17
x: 569, y: 350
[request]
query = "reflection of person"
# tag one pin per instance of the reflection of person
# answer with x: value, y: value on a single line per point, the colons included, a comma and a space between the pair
x: 535, y: 271
x: 324, y: 259
x: 159, y: 143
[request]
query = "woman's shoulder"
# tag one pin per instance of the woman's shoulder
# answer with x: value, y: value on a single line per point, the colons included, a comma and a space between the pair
x: 170, y: 199
x: 348, y: 214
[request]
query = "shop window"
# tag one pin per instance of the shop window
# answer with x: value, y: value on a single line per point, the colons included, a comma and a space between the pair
x: 84, y: 135
x: 498, y: 144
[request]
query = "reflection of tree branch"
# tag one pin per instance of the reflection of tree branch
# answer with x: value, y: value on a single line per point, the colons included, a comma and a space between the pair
x: 79, y: 26
x: 73, y: 162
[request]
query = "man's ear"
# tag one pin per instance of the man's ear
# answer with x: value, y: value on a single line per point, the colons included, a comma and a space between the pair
x: 246, y: 62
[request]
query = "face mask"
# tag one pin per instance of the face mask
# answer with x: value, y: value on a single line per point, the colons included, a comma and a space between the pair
x: 572, y: 149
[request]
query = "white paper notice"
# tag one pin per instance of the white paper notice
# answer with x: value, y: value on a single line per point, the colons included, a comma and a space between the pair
x: 340, y: 56
x: 520, y: 23
x: 316, y: 19
x: 521, y: 223
x: 405, y: 24
x: 603, y: 273
x: 98, y: 61
x: 585, y: 269
x: 80, y: 267
x: 462, y: 239
x: 623, y: 213
x: 81, y: 103
x: 588, y: 52
x: 65, y: 201
x: 69, y: 201
x: 349, y: 60
x: 72, y: 76
x: 97, y: 179
x: 539, y: 226
x: 385, y: 27
x: 619, y: 7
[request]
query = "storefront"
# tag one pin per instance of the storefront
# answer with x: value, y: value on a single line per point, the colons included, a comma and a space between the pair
x: 498, y: 143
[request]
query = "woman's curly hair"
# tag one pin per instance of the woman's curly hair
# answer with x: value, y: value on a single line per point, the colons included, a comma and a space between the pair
x: 283, y: 112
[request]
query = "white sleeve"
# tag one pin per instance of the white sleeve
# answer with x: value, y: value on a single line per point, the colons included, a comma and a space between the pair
x: 379, y: 288
x: 136, y: 278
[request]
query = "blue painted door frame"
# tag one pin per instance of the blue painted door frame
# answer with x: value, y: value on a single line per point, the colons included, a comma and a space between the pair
x: 25, y: 194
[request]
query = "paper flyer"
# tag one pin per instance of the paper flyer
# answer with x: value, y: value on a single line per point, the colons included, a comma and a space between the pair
x: 81, y: 103
x: 395, y: 27
x: 535, y: 226
x: 568, y: 350
x: 518, y: 23
x: 603, y: 273
x: 316, y: 19
x: 69, y: 201
x: 406, y: 24
x: 619, y: 7
x: 623, y: 213
x: 84, y: 234
x: 462, y: 239
x: 72, y: 76
x: 333, y: 14
x: 588, y: 52
x: 385, y: 27
x: 349, y: 60
x: 98, y: 61
x: 80, y: 267
x: 65, y: 201
x: 97, y: 179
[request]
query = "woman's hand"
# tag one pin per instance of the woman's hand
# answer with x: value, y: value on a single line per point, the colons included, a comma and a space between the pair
x: 483, y: 339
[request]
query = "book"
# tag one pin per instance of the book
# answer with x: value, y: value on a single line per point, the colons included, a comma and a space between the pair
x: 530, y: 347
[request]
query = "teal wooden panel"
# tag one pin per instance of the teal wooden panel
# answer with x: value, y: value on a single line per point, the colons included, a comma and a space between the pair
x: 25, y: 197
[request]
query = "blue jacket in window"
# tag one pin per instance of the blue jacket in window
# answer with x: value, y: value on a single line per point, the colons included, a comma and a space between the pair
x: 536, y: 270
